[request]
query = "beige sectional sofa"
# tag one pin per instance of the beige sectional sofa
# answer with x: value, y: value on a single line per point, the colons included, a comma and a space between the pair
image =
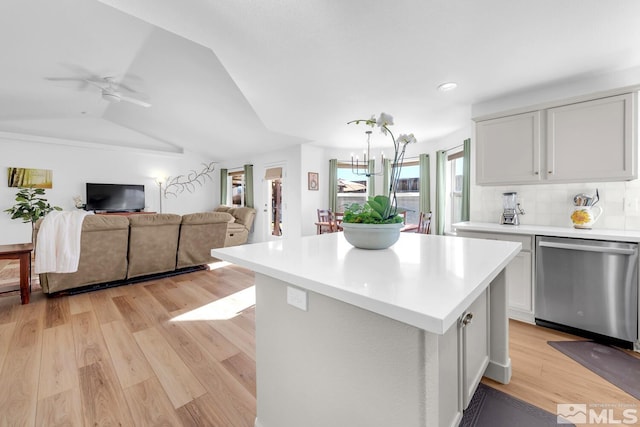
x: 117, y: 248
x: 240, y: 227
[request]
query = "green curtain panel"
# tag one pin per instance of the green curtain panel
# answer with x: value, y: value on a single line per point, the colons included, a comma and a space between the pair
x: 441, y: 188
x: 386, y: 175
x: 372, y: 179
x: 248, y: 186
x: 333, y: 185
x: 425, y: 184
x: 466, y: 180
x: 224, y: 173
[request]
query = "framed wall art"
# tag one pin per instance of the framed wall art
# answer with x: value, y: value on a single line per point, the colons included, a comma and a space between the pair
x: 24, y: 177
x: 313, y: 180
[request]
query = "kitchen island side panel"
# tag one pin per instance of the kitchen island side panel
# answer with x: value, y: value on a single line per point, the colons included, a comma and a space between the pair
x: 339, y: 365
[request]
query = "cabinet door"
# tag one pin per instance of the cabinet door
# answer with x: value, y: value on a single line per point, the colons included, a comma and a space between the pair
x: 592, y: 141
x: 508, y: 149
x: 475, y: 346
x: 519, y: 273
x: 519, y: 282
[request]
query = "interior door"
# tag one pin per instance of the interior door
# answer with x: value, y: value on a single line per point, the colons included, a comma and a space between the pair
x: 273, y: 211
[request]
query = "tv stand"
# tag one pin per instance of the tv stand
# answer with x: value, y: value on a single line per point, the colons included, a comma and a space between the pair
x: 125, y: 213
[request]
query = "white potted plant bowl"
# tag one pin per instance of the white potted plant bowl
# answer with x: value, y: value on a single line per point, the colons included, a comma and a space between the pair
x: 371, y: 236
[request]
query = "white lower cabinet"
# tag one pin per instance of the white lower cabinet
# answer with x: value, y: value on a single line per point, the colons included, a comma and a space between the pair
x: 519, y: 274
x: 474, y: 341
x: 520, y: 287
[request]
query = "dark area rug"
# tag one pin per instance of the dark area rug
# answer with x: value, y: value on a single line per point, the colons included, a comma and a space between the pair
x: 612, y: 364
x: 492, y: 408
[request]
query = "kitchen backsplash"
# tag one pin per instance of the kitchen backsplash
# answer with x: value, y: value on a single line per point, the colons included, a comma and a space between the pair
x: 550, y: 204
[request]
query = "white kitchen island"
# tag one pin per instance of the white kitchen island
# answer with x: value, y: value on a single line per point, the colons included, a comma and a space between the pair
x: 396, y: 337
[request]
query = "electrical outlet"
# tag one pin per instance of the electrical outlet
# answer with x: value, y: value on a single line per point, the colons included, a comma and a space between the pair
x: 297, y: 298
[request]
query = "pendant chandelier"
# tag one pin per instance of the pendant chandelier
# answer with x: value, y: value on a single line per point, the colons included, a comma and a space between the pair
x: 362, y: 169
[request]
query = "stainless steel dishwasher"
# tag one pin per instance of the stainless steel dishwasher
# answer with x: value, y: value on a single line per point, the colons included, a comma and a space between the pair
x: 588, y: 287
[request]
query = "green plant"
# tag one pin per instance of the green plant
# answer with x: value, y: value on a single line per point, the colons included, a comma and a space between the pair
x: 31, y: 205
x: 372, y: 212
x: 382, y: 209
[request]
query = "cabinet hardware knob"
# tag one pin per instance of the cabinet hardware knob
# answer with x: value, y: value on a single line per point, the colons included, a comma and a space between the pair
x: 550, y: 171
x: 537, y: 173
x: 467, y: 319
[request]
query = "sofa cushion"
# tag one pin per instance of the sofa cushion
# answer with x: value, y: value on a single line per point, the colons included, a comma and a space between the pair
x: 153, y: 243
x: 199, y: 233
x: 223, y: 208
x: 207, y: 218
x: 103, y: 255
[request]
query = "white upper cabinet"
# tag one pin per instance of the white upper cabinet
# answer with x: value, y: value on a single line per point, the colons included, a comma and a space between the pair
x: 508, y: 149
x: 591, y: 141
x: 594, y: 140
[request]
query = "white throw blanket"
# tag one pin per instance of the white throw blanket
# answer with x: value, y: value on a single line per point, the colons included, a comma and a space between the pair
x: 58, y: 245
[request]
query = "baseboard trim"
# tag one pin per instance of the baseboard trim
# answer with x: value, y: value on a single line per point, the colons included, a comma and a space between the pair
x: 499, y: 372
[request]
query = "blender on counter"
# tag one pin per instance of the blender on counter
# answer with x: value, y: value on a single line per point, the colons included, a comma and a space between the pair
x: 511, y: 209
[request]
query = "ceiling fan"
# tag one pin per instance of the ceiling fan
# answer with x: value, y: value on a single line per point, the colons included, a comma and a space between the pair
x: 111, y: 91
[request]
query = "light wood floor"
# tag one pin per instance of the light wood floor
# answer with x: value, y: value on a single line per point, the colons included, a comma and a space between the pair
x: 116, y: 357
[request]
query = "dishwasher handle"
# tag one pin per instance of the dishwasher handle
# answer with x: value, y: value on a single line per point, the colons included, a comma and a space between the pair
x: 587, y: 248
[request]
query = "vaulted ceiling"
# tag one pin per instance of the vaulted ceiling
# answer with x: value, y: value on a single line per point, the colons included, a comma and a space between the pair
x: 227, y: 77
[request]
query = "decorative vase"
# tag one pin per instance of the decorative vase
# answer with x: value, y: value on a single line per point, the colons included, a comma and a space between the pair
x: 371, y: 236
x: 585, y: 216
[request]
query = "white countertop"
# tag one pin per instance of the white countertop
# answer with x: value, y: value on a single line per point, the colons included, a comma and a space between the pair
x: 425, y: 281
x: 543, y: 230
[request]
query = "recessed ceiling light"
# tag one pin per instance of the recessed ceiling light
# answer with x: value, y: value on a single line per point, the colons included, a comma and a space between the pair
x: 444, y: 87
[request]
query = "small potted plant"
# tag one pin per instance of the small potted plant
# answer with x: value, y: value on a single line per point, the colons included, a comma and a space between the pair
x: 31, y: 206
x: 376, y: 224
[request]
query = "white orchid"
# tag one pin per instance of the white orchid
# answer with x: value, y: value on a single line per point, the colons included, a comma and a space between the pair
x: 406, y: 139
x: 383, y: 121
x: 399, y: 146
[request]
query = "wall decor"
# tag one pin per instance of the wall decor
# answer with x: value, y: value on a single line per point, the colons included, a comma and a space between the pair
x: 180, y: 183
x: 313, y: 180
x: 25, y: 177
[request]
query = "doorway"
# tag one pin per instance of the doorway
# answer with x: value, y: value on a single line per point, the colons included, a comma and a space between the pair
x: 274, y: 202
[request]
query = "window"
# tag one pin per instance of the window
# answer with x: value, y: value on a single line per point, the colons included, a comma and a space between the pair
x: 236, y: 189
x: 454, y: 179
x: 352, y: 188
x: 408, y: 190
x: 237, y: 192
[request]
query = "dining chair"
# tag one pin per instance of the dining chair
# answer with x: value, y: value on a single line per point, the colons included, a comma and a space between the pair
x: 407, y: 228
x: 337, y: 221
x: 424, y: 223
x: 325, y: 222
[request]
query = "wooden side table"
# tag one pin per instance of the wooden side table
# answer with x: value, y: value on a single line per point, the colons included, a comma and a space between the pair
x: 22, y: 252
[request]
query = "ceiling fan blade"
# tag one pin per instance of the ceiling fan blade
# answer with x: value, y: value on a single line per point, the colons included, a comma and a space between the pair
x: 135, y: 101
x: 79, y: 83
x: 98, y: 84
x: 121, y: 85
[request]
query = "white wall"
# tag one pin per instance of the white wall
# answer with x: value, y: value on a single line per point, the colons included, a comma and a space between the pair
x: 73, y: 166
x: 560, y: 90
x: 312, y: 160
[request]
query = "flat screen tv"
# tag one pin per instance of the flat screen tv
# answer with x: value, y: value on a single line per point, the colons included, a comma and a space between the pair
x: 115, y: 197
